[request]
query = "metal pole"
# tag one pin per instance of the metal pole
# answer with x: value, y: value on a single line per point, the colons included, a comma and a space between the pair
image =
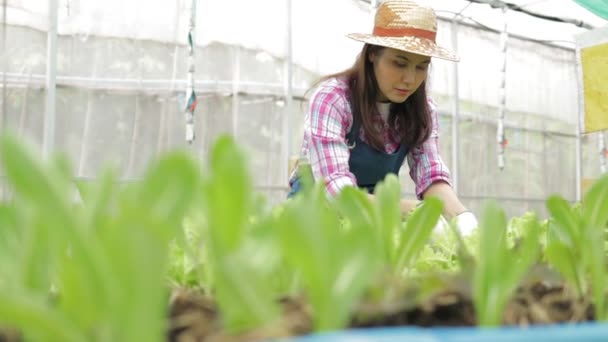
x: 236, y: 77
x: 455, y: 110
x: 85, y: 132
x: 134, y: 134
x: 288, y: 91
x: 579, y: 125
x: 502, y: 98
x: 48, y: 140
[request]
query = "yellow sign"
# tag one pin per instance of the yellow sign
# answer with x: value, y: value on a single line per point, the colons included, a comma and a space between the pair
x: 595, y: 84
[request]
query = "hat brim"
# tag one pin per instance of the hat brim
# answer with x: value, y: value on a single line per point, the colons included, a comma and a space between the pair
x: 415, y: 45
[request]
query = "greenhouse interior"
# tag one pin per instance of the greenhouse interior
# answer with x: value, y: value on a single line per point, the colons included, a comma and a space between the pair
x: 123, y: 118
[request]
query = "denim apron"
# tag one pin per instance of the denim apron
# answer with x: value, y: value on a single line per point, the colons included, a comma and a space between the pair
x: 369, y: 165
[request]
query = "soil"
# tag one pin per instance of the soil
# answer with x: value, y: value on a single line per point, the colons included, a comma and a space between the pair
x: 445, y: 308
x: 540, y: 303
x: 9, y: 335
x: 194, y: 318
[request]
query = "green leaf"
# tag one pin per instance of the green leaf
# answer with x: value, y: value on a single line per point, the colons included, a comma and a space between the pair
x: 492, y: 262
x: 526, y: 254
x: 245, y: 305
x: 417, y: 231
x: 595, y: 216
x: 388, y: 211
x: 45, y: 190
x: 335, y: 262
x: 465, y: 259
x: 229, y: 208
x: 35, y: 258
x: 499, y: 268
x: 229, y: 191
x: 560, y: 256
x: 36, y: 319
x: 141, y: 235
x: 169, y: 188
x: 569, y: 227
x: 597, y: 267
x: 595, y: 204
x: 10, y: 243
x: 308, y: 232
x: 97, y: 200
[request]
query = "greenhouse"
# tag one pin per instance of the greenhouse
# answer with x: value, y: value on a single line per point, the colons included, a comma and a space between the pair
x: 146, y: 157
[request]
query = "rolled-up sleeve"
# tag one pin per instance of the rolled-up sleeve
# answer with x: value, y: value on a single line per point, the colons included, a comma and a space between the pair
x: 426, y: 165
x: 329, y: 153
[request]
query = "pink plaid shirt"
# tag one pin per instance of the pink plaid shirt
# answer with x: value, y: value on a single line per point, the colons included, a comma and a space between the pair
x: 328, y: 121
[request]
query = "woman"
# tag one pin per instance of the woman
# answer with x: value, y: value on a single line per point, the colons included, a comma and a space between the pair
x: 365, y: 121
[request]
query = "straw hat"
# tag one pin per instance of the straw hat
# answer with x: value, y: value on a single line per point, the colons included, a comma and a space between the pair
x: 407, y: 26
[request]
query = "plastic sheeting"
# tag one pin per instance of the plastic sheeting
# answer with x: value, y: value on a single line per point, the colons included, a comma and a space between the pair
x: 122, y: 67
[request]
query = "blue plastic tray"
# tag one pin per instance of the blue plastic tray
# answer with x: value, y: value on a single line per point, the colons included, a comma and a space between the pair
x: 552, y: 333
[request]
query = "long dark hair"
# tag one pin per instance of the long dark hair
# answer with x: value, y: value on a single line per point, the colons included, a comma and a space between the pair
x: 411, y: 119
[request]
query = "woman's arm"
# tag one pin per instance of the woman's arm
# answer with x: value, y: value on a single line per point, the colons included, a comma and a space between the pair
x: 430, y: 174
x: 327, y: 122
x: 453, y: 209
x: 427, y: 170
x: 452, y: 206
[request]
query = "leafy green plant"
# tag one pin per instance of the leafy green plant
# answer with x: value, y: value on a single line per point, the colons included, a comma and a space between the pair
x: 448, y: 252
x: 106, y: 258
x: 240, y: 256
x: 595, y: 219
x: 566, y: 243
x: 576, y: 243
x: 499, y: 269
x: 189, y: 266
x: 335, y: 261
x: 351, y: 237
x: 400, y: 243
x: 416, y: 233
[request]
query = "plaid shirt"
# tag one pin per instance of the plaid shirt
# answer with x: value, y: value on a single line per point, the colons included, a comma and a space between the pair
x: 328, y: 121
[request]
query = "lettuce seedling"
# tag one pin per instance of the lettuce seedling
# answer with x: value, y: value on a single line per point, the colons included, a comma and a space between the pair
x: 595, y: 220
x: 240, y: 270
x: 399, y: 243
x: 499, y: 269
x: 106, y: 258
x: 565, y: 243
x: 336, y: 260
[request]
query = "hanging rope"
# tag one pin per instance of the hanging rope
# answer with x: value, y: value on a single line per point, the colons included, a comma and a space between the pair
x: 191, y: 100
x: 500, y: 132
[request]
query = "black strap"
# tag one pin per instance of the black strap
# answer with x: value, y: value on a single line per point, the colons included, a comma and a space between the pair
x: 351, y: 137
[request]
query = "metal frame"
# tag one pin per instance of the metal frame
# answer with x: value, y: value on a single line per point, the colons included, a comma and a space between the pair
x: 233, y: 87
x: 288, y: 93
x: 579, y: 124
x: 48, y: 139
